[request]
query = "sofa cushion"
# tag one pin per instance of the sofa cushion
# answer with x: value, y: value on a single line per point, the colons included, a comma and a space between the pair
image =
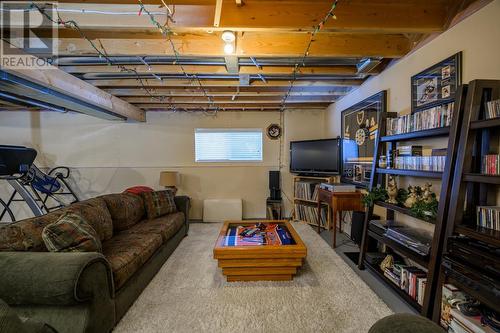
x: 71, y: 233
x: 126, y: 209
x: 96, y: 213
x: 127, y: 253
x: 166, y: 226
x: 159, y: 203
x: 26, y: 235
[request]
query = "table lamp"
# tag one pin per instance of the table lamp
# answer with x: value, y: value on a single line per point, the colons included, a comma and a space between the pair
x: 169, y: 179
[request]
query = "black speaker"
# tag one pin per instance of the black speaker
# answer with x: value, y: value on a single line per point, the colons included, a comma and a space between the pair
x: 358, y: 221
x: 274, y: 185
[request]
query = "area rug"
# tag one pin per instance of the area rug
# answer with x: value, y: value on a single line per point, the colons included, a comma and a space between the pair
x: 190, y: 294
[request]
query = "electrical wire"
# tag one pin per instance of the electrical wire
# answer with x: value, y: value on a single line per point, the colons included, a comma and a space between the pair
x: 167, y: 32
x: 71, y: 24
x: 297, y: 65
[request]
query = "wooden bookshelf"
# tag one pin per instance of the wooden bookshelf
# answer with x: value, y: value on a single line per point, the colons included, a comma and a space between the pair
x: 479, y: 136
x: 309, y: 202
x: 432, y: 262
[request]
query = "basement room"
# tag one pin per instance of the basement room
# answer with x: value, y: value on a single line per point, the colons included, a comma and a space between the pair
x: 250, y: 166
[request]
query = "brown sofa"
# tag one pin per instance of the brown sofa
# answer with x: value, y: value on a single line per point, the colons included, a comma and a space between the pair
x: 88, y: 292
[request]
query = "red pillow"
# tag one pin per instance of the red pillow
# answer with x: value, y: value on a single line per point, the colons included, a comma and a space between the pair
x: 138, y: 190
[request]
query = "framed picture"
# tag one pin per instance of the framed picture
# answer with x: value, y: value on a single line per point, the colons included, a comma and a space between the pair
x: 359, y: 131
x: 437, y: 84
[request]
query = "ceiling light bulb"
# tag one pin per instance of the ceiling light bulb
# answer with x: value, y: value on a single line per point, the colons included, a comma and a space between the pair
x: 228, y: 36
x: 228, y: 48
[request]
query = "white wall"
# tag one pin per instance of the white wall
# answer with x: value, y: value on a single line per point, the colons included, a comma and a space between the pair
x: 108, y: 157
x: 478, y: 37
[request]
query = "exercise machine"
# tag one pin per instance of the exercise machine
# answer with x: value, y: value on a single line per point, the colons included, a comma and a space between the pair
x: 31, y: 185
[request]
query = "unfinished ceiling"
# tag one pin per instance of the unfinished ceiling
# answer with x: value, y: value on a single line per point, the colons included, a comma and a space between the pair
x: 267, y: 69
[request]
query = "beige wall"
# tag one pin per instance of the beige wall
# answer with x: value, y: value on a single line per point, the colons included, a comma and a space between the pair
x: 108, y: 157
x: 478, y: 37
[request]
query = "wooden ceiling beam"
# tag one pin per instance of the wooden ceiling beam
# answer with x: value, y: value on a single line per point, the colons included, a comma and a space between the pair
x: 213, y: 69
x: 209, y: 83
x: 375, y: 16
x: 249, y: 45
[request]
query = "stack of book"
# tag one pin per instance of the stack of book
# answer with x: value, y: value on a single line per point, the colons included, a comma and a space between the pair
x: 439, y: 116
x: 410, y: 279
x: 488, y: 217
x: 310, y: 214
x: 493, y: 109
x: 307, y: 190
x: 490, y: 165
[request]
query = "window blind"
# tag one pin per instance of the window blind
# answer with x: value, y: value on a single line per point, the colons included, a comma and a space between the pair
x: 228, y: 145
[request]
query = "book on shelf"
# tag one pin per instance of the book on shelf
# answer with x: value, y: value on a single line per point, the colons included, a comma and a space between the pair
x: 411, y: 150
x: 490, y: 164
x: 488, y: 217
x: 493, y: 109
x: 436, y: 117
x: 410, y: 279
x: 309, y: 214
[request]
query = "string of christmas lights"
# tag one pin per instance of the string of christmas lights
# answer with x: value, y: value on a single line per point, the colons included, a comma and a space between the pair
x: 71, y: 24
x: 167, y: 32
x: 297, y: 65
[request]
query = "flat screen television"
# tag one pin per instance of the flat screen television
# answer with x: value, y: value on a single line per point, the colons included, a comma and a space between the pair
x: 315, y: 157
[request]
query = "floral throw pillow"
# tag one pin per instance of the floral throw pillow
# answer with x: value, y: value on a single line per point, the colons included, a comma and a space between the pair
x: 159, y: 203
x: 71, y: 233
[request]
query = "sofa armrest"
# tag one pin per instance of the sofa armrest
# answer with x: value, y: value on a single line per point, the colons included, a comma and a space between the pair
x: 47, y: 278
x: 182, y: 202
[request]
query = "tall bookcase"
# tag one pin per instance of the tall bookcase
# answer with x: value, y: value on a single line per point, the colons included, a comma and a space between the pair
x: 479, y: 136
x: 305, y: 206
x: 431, y: 262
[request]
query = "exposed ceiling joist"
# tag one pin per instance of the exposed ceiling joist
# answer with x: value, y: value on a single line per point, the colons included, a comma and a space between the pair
x: 239, y: 105
x: 249, y: 45
x: 238, y: 99
x: 220, y: 92
x: 375, y: 16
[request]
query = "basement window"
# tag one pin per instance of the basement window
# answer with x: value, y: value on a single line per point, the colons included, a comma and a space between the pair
x: 228, y: 145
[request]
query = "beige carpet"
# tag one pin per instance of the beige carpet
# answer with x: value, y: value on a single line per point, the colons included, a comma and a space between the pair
x: 189, y: 294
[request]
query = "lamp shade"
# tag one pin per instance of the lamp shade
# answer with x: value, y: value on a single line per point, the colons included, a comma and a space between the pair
x: 169, y: 178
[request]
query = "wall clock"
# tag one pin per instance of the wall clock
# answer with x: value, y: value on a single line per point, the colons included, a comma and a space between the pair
x: 274, y: 131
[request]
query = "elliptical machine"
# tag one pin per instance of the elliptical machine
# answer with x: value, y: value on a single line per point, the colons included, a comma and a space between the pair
x: 31, y: 184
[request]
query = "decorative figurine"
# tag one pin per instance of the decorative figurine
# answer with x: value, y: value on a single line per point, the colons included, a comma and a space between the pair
x: 412, y: 197
x: 388, y: 262
x: 427, y: 194
x: 392, y: 191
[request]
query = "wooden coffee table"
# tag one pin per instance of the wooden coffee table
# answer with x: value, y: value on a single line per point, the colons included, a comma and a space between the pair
x: 273, y: 254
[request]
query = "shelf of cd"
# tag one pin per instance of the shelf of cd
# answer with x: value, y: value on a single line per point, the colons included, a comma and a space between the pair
x: 407, y: 298
x: 489, y: 236
x: 434, y: 132
x: 411, y: 173
x: 485, y: 123
x: 479, y: 178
